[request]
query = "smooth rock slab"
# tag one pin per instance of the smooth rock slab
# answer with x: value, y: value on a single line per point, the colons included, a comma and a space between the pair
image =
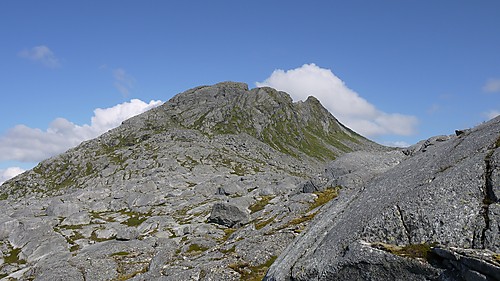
x: 79, y: 218
x: 63, y: 209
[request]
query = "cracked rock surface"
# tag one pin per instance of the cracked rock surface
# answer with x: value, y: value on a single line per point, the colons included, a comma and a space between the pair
x: 444, y: 195
x: 204, y: 187
x: 223, y: 183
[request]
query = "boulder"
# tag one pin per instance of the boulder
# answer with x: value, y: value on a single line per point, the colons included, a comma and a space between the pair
x: 228, y: 215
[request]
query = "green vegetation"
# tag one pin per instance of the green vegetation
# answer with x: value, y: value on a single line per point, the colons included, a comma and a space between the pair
x: 135, y: 219
x: 496, y: 257
x: 196, y: 249
x: 13, y: 257
x: 228, y: 232
x: 230, y: 250
x: 252, y: 273
x: 72, y: 227
x: 4, y: 196
x: 120, y: 254
x: 297, y: 222
x: 324, y: 197
x: 89, y: 169
x: 60, y: 174
x: 74, y: 248
x: 189, y: 163
x: 261, y: 204
x: 262, y: 224
x: 199, y: 123
x: 301, y: 219
x: 127, y: 276
x: 422, y: 251
x: 94, y: 237
x: 238, y: 168
x: 287, y: 133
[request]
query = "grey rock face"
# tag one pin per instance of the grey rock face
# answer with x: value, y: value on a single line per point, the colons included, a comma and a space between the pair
x: 143, y: 201
x: 228, y: 215
x: 442, y: 194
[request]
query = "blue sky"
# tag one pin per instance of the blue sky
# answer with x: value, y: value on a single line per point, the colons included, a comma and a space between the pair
x: 422, y: 68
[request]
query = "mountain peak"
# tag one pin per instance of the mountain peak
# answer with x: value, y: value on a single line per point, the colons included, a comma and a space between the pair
x: 264, y: 113
x: 163, y: 193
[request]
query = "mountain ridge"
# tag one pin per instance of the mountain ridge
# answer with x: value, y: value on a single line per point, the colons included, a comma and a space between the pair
x: 208, y: 184
x: 226, y: 183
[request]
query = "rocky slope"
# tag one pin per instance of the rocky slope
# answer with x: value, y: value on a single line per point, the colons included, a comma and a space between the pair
x: 434, y: 216
x: 212, y: 185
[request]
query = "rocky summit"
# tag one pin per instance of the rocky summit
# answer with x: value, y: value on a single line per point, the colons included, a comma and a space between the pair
x: 226, y: 183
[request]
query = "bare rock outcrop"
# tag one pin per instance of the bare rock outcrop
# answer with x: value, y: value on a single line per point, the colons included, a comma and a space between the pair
x: 444, y: 195
x: 201, y: 187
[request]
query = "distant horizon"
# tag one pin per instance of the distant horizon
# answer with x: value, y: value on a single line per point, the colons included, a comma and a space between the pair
x: 395, y: 72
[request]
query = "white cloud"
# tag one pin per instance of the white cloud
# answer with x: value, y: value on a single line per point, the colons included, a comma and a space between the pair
x: 41, y: 54
x: 6, y: 174
x: 491, y: 114
x: 26, y: 144
x: 123, y: 81
x: 345, y: 104
x: 492, y: 86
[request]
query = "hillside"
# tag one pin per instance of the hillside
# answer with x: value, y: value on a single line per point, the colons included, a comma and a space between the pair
x: 434, y: 216
x: 211, y: 185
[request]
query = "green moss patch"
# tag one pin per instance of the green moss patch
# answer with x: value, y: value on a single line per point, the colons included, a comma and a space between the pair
x: 324, y: 197
x: 135, y: 219
x: 227, y: 233
x: 195, y: 248
x: 252, y: 273
x: 263, y: 223
x: 261, y: 204
x: 422, y: 251
x: 13, y: 257
x: 496, y: 257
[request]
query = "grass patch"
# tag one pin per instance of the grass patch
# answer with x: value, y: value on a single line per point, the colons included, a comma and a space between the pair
x: 496, y: 257
x: 302, y: 219
x: 74, y: 248
x: 262, y: 224
x: 230, y: 250
x: 227, y: 233
x: 94, y: 237
x: 324, y: 197
x: 261, y: 204
x: 135, y: 219
x: 127, y: 276
x: 238, y: 170
x: 195, y: 248
x: 71, y: 227
x: 13, y: 257
x: 422, y: 251
x: 298, y: 221
x: 252, y: 273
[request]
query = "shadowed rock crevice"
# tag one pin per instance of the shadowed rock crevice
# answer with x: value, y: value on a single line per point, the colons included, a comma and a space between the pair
x: 489, y: 197
x: 406, y: 229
